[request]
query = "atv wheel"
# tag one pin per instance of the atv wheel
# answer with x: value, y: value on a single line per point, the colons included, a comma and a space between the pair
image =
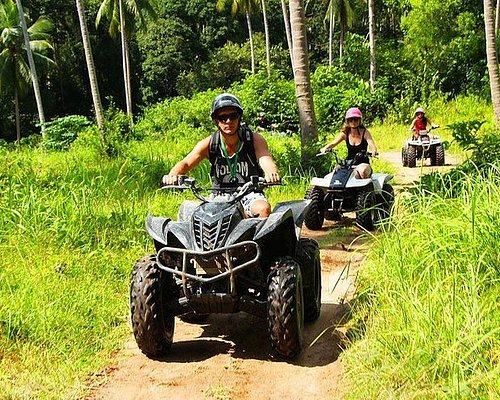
x: 315, y: 214
x: 432, y: 156
x: 404, y: 157
x: 365, y: 209
x: 285, y: 313
x: 439, y: 155
x: 385, y: 202
x: 307, y: 256
x: 411, y: 156
x: 151, y: 291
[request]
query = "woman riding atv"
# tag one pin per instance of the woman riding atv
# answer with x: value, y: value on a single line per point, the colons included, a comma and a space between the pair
x: 357, y: 139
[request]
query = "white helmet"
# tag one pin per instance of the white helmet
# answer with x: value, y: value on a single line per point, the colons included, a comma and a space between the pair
x: 419, y: 110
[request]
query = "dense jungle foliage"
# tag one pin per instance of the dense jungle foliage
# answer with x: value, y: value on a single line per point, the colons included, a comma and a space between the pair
x: 191, y: 46
x: 73, y: 204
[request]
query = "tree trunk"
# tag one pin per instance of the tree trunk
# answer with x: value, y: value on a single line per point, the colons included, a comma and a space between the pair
x: 250, y: 36
x: 266, y: 33
x: 129, y: 82
x: 330, y: 33
x: 94, y: 87
x: 125, y: 64
x: 303, y: 90
x: 371, y: 25
x: 34, y: 76
x: 497, y: 18
x: 18, y: 117
x: 491, y: 56
x: 287, y: 31
x: 341, y: 44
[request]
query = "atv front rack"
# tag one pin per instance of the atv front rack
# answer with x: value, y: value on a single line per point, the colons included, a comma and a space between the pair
x: 217, y: 264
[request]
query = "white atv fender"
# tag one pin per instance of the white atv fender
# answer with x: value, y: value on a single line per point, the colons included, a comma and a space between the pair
x: 326, y: 182
x: 433, y: 140
x: 377, y: 179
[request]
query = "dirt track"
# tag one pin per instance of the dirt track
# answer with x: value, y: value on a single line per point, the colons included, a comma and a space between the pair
x: 229, y: 356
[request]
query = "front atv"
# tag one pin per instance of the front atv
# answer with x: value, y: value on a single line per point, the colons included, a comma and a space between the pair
x: 214, y: 260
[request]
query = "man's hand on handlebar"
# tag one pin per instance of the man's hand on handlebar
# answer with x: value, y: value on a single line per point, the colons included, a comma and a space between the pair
x: 273, y: 178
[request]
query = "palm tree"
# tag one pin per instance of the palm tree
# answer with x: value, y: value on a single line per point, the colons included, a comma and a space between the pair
x: 497, y: 18
x: 94, y: 87
x: 491, y: 56
x: 15, y: 73
x: 266, y: 33
x: 303, y: 90
x: 245, y: 6
x: 287, y: 30
x: 344, y: 10
x: 330, y: 17
x: 125, y: 16
x: 31, y: 61
x: 371, y: 29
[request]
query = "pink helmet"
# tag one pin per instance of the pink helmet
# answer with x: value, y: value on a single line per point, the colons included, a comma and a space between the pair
x: 419, y: 110
x: 353, y: 112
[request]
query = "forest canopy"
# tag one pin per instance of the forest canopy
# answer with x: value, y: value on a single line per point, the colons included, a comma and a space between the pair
x: 183, y: 48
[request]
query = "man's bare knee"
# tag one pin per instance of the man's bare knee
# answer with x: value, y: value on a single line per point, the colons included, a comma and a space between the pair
x: 261, y: 208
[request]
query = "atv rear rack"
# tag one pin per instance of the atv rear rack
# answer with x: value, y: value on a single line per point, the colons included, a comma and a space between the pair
x: 199, y: 259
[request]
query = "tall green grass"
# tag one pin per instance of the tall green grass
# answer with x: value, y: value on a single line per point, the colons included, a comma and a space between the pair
x: 428, y: 299
x: 72, y: 227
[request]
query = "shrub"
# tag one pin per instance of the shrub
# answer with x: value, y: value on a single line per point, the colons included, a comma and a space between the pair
x: 61, y: 132
x: 336, y: 90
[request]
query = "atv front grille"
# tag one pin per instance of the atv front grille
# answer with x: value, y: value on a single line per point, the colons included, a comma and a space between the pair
x: 210, y: 236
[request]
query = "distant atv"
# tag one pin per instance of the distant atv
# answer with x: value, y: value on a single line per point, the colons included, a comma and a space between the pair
x: 214, y: 260
x: 340, y: 191
x: 425, y: 146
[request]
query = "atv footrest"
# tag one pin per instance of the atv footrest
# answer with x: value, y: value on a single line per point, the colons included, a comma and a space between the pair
x: 217, y: 303
x: 253, y: 306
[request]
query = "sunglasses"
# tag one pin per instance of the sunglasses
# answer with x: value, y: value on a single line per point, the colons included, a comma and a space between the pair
x: 352, y: 119
x: 224, y: 117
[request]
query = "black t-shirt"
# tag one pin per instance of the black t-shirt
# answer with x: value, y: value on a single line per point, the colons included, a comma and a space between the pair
x: 246, y: 166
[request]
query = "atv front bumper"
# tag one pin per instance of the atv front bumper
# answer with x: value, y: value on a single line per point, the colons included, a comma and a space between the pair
x: 209, y: 266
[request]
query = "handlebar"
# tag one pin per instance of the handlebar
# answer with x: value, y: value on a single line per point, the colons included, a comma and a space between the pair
x: 254, y: 184
x: 342, y: 161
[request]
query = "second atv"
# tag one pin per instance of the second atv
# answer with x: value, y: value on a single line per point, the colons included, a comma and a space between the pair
x: 340, y: 191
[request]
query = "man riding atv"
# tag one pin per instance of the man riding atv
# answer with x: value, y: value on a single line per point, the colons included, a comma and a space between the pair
x: 217, y: 257
x: 235, y: 153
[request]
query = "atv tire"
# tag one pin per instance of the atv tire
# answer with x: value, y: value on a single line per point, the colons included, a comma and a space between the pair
x: 285, y: 312
x: 316, y: 213
x: 386, y: 200
x: 439, y: 155
x: 307, y: 255
x: 404, y: 156
x: 365, y: 209
x: 151, y: 292
x: 411, y: 156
